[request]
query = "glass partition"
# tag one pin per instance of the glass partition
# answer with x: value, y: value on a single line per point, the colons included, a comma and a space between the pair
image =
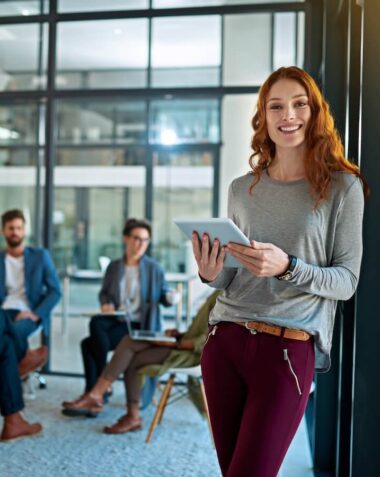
x: 284, y: 53
x: 23, y: 7
x: 184, y: 121
x: 102, y: 54
x: 101, y: 122
x: 23, y: 57
x: 204, y: 3
x: 186, y: 51
x: 95, y: 191
x: 99, y: 5
x: 247, y: 49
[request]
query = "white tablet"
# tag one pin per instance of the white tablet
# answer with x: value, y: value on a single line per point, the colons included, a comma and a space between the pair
x: 222, y: 229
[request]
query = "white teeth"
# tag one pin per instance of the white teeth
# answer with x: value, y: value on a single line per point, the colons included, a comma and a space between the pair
x: 289, y: 128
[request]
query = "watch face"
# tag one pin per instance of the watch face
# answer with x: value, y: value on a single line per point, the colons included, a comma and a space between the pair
x: 287, y: 276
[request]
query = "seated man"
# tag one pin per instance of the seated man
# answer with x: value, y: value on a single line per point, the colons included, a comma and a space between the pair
x: 135, y: 284
x: 29, y: 285
x: 11, y: 402
x: 132, y: 355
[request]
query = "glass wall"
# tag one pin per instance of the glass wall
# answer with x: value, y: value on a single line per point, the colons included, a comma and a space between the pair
x: 184, y: 121
x: 23, y: 56
x: 102, y: 54
x: 99, y: 5
x: 204, y: 3
x: 23, y: 7
x: 179, y: 56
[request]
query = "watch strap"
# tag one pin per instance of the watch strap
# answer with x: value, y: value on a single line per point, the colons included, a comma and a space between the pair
x: 287, y: 275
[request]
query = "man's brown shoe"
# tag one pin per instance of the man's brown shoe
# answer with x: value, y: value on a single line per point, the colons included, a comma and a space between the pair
x: 16, y: 427
x: 86, y: 405
x: 33, y: 359
x: 125, y: 424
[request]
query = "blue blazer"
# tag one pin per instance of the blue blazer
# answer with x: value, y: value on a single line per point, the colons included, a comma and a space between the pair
x: 41, y: 283
x: 153, y: 288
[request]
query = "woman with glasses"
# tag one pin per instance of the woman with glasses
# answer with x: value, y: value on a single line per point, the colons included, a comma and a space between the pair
x: 134, y: 284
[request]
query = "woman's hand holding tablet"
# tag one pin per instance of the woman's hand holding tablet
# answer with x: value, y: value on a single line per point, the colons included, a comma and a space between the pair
x: 209, y: 239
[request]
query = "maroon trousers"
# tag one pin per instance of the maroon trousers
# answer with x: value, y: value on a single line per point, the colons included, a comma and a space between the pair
x: 257, y: 387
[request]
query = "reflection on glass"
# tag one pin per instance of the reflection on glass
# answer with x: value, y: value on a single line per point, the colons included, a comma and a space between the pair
x: 204, y: 3
x: 243, y: 64
x: 284, y: 41
x: 186, y: 51
x: 99, y: 5
x: 19, y: 124
x: 23, y: 7
x: 184, y: 121
x: 102, y: 54
x: 183, y: 187
x: 101, y: 122
x: 23, y: 57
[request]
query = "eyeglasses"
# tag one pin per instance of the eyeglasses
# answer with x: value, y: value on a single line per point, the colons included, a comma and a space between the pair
x: 139, y: 239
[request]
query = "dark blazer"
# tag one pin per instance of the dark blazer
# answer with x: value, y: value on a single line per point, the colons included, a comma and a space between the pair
x: 153, y: 288
x: 41, y: 282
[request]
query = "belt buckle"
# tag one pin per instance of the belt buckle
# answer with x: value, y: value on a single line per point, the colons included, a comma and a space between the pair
x: 253, y: 331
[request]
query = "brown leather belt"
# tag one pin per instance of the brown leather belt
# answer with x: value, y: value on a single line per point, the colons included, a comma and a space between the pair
x: 259, y: 327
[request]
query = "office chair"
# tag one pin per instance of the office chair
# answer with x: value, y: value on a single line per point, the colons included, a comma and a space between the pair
x: 168, y: 398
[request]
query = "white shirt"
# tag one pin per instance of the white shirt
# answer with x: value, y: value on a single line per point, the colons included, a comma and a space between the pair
x: 16, y: 298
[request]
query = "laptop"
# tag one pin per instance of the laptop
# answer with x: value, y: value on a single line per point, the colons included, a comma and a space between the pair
x: 146, y: 335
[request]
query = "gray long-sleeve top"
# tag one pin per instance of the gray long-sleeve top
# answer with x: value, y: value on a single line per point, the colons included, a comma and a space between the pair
x: 327, y: 242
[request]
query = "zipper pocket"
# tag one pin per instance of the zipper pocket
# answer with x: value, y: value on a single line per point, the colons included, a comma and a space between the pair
x: 212, y: 332
x: 286, y: 358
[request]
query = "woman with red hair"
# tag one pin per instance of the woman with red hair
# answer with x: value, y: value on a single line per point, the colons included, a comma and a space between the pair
x: 301, y: 205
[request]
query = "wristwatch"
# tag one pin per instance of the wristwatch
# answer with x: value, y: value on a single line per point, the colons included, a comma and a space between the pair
x: 287, y: 275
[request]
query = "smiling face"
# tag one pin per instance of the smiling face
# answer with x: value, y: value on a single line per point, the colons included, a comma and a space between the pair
x: 288, y: 113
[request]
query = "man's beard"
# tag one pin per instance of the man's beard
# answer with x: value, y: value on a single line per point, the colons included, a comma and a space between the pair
x: 13, y: 242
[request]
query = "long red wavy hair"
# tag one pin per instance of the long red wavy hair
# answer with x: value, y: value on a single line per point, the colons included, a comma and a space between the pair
x: 325, y: 151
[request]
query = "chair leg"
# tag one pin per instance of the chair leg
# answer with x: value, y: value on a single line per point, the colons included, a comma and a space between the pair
x: 41, y: 381
x: 171, y: 383
x: 206, y: 409
x: 29, y: 390
x: 161, y: 407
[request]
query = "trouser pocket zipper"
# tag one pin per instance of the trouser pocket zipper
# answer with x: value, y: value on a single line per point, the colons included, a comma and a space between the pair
x: 212, y: 332
x: 286, y: 358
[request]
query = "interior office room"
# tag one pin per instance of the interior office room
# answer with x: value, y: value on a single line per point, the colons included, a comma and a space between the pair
x: 142, y: 108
